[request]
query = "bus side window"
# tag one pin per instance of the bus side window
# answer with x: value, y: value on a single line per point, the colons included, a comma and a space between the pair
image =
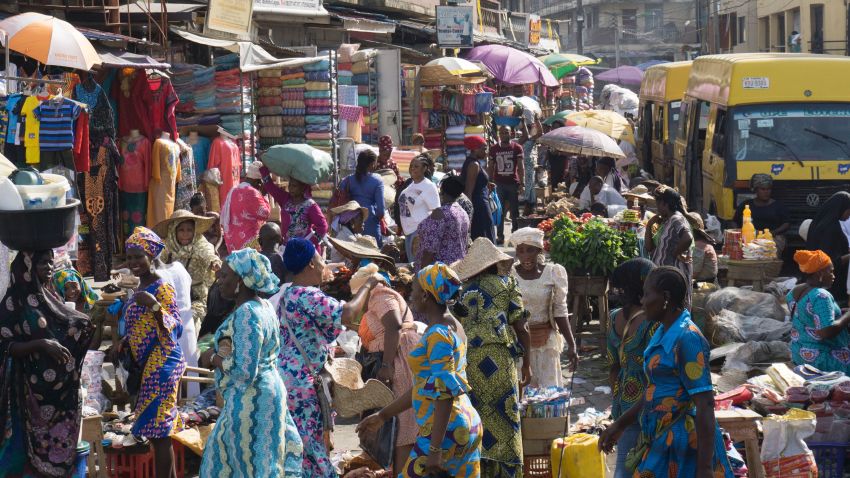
x: 683, y: 122
x: 718, y: 143
x: 658, y: 128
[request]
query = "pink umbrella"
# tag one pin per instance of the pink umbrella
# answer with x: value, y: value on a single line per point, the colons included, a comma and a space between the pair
x: 511, y: 66
x: 623, y: 75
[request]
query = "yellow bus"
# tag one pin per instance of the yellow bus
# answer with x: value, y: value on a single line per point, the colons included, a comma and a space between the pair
x: 661, y: 93
x: 787, y: 115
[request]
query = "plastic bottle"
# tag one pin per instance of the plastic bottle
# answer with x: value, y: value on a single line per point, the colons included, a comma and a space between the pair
x: 768, y: 235
x: 748, y: 231
x: 635, y: 206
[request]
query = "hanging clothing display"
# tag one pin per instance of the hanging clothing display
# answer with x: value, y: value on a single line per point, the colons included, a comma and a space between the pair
x: 165, y: 172
x: 99, y: 216
x: 101, y: 207
x: 82, y: 161
x: 200, y: 152
x: 133, y: 180
x: 187, y: 183
x: 155, y: 102
x: 122, y: 92
x: 224, y: 155
x: 31, y: 140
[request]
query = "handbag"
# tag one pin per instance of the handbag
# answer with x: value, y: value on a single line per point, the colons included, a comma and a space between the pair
x: 381, y: 446
x: 495, y: 207
x: 341, y: 195
x: 635, y: 455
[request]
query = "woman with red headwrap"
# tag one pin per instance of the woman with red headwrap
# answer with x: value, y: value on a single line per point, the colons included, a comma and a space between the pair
x: 475, y: 187
x: 819, y: 336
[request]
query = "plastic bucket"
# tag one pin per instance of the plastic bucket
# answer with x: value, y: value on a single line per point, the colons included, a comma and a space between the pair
x: 49, y: 195
x: 80, y: 468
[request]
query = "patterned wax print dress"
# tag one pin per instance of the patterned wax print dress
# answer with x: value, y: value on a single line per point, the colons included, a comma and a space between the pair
x: 255, y: 435
x: 494, y: 304
x: 163, y: 362
x: 814, y: 311
x: 439, y: 369
x: 315, y: 320
x: 676, y: 365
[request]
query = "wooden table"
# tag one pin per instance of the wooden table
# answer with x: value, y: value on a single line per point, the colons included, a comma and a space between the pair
x: 742, y: 426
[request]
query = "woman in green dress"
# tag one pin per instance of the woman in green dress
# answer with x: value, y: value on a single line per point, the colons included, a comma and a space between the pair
x: 495, y: 323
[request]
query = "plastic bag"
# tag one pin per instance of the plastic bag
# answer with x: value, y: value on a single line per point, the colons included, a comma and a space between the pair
x: 745, y: 302
x: 496, y: 208
x: 727, y: 326
x: 784, y: 451
x: 755, y: 353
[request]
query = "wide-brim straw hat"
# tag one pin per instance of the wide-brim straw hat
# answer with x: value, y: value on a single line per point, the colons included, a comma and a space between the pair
x: 350, y: 206
x: 482, y: 255
x: 641, y: 193
x: 698, y: 226
x: 363, y: 247
x: 202, y: 223
x: 351, y: 396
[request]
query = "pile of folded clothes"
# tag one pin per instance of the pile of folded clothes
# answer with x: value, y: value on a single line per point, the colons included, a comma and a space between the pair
x: 318, y: 104
x: 292, y: 108
x: 455, y: 149
x: 270, y: 107
x: 365, y: 77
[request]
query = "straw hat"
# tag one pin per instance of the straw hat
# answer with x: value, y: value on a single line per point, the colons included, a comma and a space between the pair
x: 363, y: 247
x: 481, y: 256
x: 351, y: 396
x: 698, y: 226
x: 202, y: 223
x: 350, y: 206
x: 641, y: 193
x: 389, y: 179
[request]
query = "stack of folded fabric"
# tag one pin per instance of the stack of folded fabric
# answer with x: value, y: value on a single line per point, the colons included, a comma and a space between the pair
x: 293, y: 108
x: 455, y: 149
x: 182, y: 79
x: 318, y: 103
x: 433, y: 139
x: 232, y: 95
x: 365, y: 77
x: 226, y: 62
x: 270, y: 102
x: 204, y: 89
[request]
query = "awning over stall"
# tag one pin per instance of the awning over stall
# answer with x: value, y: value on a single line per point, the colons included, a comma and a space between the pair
x: 125, y: 59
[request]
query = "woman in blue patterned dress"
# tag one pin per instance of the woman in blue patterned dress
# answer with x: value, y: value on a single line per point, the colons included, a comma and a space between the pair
x: 310, y: 321
x: 255, y: 435
x: 450, y: 429
x: 819, y: 337
x: 153, y: 328
x: 677, y: 411
x: 628, y: 334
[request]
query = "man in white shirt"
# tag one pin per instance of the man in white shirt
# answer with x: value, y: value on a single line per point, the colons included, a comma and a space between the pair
x: 599, y: 192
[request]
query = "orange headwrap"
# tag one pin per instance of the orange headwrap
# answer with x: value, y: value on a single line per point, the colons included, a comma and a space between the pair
x: 812, y: 261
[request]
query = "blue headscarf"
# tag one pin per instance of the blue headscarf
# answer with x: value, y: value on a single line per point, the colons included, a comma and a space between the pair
x: 297, y: 254
x: 440, y: 281
x: 255, y: 270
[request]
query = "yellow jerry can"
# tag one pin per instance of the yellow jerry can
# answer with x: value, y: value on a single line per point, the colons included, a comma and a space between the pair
x: 581, y: 457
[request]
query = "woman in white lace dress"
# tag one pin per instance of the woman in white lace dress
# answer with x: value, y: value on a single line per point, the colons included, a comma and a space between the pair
x: 544, y: 296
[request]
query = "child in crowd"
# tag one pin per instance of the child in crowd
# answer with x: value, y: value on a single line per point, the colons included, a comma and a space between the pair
x: 270, y: 239
x: 198, y: 204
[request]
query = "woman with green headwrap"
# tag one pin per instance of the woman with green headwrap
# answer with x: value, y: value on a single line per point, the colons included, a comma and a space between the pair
x: 255, y: 434
x: 450, y: 430
x: 71, y: 287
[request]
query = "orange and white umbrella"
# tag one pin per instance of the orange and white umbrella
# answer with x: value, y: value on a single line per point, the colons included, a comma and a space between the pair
x: 49, y: 40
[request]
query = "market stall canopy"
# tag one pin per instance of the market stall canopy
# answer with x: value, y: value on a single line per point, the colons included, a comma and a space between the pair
x: 580, y: 60
x: 251, y: 57
x: 582, y: 141
x: 511, y: 66
x: 438, y: 75
x: 49, y: 40
x: 611, y: 123
x: 622, y: 75
x: 560, y: 65
x: 125, y: 59
x: 560, y: 116
x: 643, y: 66
x: 456, y: 66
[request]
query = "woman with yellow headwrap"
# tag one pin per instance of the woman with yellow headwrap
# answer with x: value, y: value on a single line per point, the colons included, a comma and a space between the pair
x: 819, y: 336
x: 450, y: 429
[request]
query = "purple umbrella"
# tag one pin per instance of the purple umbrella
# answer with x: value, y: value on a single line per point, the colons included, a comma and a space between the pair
x: 511, y: 66
x: 623, y: 75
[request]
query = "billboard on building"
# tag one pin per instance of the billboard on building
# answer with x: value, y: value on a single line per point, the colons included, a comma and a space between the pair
x: 286, y: 5
x: 230, y: 16
x: 454, y: 26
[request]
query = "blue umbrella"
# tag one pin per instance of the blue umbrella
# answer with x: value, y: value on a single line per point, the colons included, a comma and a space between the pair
x: 643, y: 66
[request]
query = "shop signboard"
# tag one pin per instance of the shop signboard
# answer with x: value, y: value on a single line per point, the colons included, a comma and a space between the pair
x: 230, y: 16
x: 454, y: 26
x: 284, y: 6
x: 535, y: 27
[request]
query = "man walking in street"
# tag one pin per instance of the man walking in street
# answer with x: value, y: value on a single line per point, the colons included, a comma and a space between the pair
x: 506, y: 167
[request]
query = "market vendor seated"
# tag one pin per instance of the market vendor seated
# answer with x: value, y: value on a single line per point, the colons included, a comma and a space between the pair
x: 819, y: 336
x: 599, y: 192
x: 767, y: 213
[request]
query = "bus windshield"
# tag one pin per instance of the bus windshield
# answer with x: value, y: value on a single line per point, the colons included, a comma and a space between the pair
x: 790, y: 131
